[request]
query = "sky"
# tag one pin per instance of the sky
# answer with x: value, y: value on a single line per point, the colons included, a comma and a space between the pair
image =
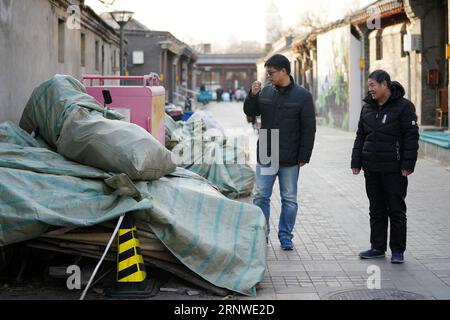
x: 218, y: 21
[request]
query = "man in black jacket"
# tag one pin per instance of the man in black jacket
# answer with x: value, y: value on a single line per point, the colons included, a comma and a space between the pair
x: 288, y: 127
x: 386, y: 147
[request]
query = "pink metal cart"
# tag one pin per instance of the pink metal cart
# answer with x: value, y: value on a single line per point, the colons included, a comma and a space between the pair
x: 145, y: 104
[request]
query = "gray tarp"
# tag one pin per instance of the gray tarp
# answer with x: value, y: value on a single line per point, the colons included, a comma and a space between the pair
x: 73, y: 122
x: 222, y: 160
x: 221, y: 240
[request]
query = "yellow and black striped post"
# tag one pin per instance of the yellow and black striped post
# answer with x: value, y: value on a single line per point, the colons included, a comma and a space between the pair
x: 132, y: 281
x: 130, y: 264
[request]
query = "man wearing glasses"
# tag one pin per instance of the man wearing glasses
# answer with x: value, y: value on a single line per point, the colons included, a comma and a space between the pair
x: 287, y: 109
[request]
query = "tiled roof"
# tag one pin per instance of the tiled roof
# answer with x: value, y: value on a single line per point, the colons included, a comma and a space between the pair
x: 382, y: 6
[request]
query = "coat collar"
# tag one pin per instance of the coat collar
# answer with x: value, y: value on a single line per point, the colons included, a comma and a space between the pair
x: 285, y: 90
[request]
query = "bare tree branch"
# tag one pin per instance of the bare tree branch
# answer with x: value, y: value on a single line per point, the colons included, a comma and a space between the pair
x: 107, y: 2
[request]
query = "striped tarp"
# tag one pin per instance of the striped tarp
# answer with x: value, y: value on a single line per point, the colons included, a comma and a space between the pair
x: 221, y: 160
x: 221, y: 240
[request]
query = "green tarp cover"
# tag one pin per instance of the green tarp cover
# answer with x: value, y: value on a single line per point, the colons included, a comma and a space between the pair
x: 51, y: 104
x: 72, y: 122
x: 221, y: 160
x: 221, y: 240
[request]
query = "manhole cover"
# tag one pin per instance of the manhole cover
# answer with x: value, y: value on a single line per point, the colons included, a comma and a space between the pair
x: 382, y: 294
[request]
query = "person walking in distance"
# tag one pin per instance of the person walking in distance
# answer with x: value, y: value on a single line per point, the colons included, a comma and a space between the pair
x: 386, y: 146
x: 287, y: 109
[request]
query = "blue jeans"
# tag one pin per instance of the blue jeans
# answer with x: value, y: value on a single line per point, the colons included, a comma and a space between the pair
x: 288, y: 180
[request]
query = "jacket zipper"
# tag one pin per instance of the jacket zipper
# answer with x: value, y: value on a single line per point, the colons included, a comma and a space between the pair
x: 398, y: 150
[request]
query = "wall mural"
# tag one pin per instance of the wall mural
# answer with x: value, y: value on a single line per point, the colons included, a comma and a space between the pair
x: 333, y: 77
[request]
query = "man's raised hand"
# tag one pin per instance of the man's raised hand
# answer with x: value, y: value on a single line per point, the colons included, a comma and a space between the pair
x: 256, y: 87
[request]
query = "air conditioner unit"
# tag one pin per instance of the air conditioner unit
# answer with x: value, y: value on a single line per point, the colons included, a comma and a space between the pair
x: 412, y: 42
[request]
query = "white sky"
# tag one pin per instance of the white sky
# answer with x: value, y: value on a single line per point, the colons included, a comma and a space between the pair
x: 217, y: 21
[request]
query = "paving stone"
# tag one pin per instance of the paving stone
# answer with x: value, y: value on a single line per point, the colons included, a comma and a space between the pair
x: 322, y: 267
x: 295, y: 289
x: 338, y: 227
x: 298, y: 296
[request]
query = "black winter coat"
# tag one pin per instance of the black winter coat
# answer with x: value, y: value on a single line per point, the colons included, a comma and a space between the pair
x: 291, y: 110
x: 387, y: 139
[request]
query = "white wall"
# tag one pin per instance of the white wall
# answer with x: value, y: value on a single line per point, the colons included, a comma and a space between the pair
x: 392, y: 61
x: 355, y: 83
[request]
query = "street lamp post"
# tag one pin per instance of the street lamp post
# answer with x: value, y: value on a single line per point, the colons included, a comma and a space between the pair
x: 122, y: 18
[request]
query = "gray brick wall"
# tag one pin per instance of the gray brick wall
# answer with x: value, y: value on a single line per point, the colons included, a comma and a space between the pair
x: 29, y: 49
x: 152, y: 53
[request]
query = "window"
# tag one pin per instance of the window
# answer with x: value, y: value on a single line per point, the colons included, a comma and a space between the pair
x: 97, y: 55
x: 215, y: 78
x: 138, y: 57
x: 379, y: 45
x: 61, y: 39
x: 83, y: 50
x: 237, y: 78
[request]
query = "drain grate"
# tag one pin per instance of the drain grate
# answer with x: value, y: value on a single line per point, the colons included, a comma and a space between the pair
x: 382, y: 294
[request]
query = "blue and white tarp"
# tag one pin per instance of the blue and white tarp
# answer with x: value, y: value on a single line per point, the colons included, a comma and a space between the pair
x: 221, y: 240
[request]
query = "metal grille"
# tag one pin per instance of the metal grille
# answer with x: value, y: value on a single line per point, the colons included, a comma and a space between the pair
x: 383, y: 294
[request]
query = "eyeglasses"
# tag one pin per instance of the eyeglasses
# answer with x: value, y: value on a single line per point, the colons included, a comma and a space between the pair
x: 270, y: 73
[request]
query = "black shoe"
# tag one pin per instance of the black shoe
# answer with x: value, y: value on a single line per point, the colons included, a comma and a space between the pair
x: 286, y: 245
x: 371, y: 254
x: 397, y: 257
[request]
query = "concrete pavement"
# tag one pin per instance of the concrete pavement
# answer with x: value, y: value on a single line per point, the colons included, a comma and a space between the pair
x: 333, y: 227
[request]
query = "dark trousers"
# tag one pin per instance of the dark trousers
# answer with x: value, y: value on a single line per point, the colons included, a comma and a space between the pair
x: 387, y: 193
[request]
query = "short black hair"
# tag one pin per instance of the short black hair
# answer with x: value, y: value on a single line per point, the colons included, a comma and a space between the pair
x: 279, y: 62
x: 380, y: 76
